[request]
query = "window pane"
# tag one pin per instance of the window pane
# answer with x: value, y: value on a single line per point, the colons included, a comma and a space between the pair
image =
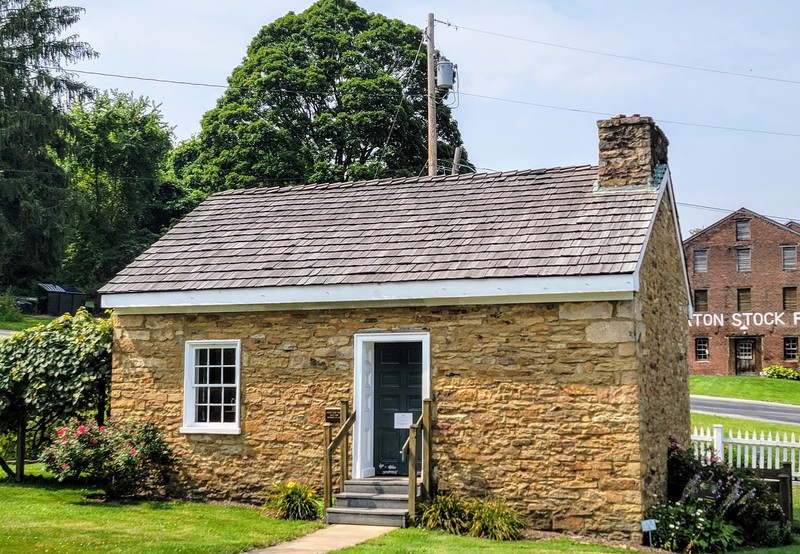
x: 215, y: 414
x: 202, y: 414
x: 229, y: 395
x: 202, y: 395
x: 229, y: 414
x: 701, y: 300
x: 215, y: 375
x: 743, y: 259
x: 215, y: 356
x: 202, y: 356
x: 201, y: 375
x: 701, y: 260
x: 229, y: 356
x: 789, y: 257
x: 743, y: 230
x: 790, y: 298
x: 215, y: 395
x: 743, y: 300
x: 229, y: 375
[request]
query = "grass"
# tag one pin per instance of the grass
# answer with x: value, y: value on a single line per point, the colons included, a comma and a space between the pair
x: 734, y: 424
x: 26, y: 322
x: 43, y: 515
x: 421, y: 541
x: 746, y: 388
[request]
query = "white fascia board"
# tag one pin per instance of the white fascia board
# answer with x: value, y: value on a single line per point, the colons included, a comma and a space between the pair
x: 422, y: 293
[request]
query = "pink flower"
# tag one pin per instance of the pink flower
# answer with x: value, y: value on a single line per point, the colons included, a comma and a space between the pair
x: 94, y: 441
x: 65, y: 466
x: 174, y: 454
x: 64, y: 441
x: 102, y: 428
x: 61, y: 432
x: 133, y: 451
x: 81, y: 429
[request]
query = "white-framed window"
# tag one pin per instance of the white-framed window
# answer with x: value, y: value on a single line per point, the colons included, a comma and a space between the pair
x: 742, y: 259
x: 701, y: 349
x: 743, y: 229
x: 789, y: 257
x: 700, y: 260
x: 211, y: 387
x: 790, y: 348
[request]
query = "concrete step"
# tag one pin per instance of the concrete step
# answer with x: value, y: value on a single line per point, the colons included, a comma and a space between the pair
x: 370, y: 500
x: 368, y: 516
x: 378, y: 486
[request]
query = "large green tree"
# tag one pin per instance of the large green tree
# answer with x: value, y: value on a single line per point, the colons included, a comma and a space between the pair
x: 119, y: 145
x: 36, y: 199
x: 315, y: 100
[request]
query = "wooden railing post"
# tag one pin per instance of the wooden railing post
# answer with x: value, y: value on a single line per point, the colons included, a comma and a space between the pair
x: 426, y: 448
x: 327, y: 494
x: 785, y: 491
x: 412, y: 471
x: 344, y: 408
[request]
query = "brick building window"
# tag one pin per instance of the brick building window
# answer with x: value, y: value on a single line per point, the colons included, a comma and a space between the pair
x: 790, y: 348
x: 211, y: 387
x: 701, y: 349
x: 701, y: 300
x: 700, y: 260
x: 743, y: 229
x: 790, y: 299
x: 743, y: 300
x: 789, y: 257
x: 742, y: 259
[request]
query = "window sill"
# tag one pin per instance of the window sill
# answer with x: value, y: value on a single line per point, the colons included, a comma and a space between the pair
x: 211, y: 430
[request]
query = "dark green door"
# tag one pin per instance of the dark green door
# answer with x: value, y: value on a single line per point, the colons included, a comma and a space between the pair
x: 398, y: 397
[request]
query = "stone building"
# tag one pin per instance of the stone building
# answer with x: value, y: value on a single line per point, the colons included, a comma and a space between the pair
x: 543, y: 312
x: 743, y: 274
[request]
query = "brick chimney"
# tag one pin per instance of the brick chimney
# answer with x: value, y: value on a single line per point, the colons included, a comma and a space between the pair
x: 630, y: 150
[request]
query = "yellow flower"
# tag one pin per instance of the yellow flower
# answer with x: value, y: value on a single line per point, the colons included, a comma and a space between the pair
x: 291, y: 484
x: 310, y: 494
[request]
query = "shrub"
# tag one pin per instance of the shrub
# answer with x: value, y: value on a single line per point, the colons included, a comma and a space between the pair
x: 448, y: 512
x: 294, y: 501
x: 779, y: 372
x: 8, y: 308
x: 486, y: 518
x: 687, y: 527
x: 124, y: 459
x: 494, y: 519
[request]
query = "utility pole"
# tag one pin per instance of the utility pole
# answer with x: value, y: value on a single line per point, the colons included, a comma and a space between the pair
x: 432, y: 156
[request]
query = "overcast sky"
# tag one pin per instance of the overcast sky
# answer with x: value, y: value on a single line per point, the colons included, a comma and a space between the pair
x: 734, y: 140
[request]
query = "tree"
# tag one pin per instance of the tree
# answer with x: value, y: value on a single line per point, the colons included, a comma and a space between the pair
x: 51, y: 372
x: 118, y: 151
x: 315, y: 100
x: 36, y: 201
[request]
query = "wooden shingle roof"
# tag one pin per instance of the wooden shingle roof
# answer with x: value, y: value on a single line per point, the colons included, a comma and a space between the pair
x: 547, y: 222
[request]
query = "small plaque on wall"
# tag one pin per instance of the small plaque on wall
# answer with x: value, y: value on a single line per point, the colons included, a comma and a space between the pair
x: 333, y: 415
x: 403, y: 420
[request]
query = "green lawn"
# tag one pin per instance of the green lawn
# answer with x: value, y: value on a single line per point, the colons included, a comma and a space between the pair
x: 747, y: 388
x: 26, y: 322
x: 46, y: 516
x: 734, y: 424
x: 420, y: 541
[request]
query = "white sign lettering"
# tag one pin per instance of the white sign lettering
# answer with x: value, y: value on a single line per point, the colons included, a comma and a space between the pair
x: 744, y: 320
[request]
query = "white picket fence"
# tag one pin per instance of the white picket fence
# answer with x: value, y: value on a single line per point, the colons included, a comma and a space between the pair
x: 754, y: 450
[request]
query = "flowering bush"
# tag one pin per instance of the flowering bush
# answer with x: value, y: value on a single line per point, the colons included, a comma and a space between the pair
x: 713, y: 507
x: 779, y: 372
x: 294, y: 501
x: 123, y: 458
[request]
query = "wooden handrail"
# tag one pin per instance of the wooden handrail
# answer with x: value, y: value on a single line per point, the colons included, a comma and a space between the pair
x: 423, y: 424
x: 329, y: 447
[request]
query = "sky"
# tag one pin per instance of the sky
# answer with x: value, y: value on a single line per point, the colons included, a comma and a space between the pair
x: 720, y: 77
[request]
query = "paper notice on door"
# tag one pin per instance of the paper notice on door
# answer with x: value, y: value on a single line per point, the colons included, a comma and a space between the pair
x: 403, y: 420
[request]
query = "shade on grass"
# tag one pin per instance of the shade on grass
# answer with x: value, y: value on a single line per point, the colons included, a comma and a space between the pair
x: 46, y: 516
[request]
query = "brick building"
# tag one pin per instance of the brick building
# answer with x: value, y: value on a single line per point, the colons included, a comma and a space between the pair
x: 744, y: 279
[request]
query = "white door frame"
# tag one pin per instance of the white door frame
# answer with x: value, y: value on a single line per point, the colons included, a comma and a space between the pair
x: 364, y: 390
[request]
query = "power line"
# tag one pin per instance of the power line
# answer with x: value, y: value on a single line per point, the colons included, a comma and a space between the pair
x: 622, y: 56
x: 728, y: 211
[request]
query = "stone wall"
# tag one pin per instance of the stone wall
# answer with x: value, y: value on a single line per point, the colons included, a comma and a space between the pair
x: 537, y: 404
x: 661, y: 324
x: 630, y: 150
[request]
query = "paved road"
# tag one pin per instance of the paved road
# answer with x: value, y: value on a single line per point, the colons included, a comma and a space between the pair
x: 4, y: 333
x: 747, y: 409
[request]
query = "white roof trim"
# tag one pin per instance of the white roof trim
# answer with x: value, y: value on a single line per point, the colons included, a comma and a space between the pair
x: 510, y: 290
